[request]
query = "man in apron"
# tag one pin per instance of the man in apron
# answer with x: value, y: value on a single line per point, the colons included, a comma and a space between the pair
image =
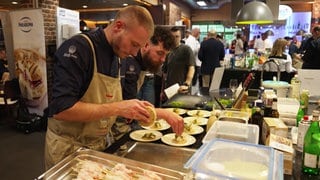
x: 86, y: 93
x: 133, y: 73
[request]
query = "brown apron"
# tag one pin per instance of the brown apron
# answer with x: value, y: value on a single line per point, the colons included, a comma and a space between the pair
x: 63, y: 138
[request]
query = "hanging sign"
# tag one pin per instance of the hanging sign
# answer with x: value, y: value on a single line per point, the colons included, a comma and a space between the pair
x: 30, y: 57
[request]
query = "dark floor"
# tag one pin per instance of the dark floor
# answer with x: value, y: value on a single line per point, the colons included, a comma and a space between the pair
x: 21, y: 154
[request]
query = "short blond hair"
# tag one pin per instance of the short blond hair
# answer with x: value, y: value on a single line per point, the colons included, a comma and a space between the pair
x: 136, y: 15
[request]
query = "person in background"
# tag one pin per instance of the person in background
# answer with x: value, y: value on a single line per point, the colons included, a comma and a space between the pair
x: 267, y: 44
x: 193, y: 42
x: 311, y: 57
x: 4, y: 72
x: 86, y: 92
x: 278, y: 53
x: 135, y: 74
x: 251, y: 42
x: 239, y: 48
x: 294, y: 53
x: 245, y: 43
x: 305, y: 38
x: 232, y: 46
x: 210, y: 54
x: 179, y: 65
x: 258, y: 44
x: 186, y: 35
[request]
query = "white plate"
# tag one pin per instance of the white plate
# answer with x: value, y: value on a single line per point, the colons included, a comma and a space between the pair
x: 163, y: 125
x: 179, y: 111
x: 195, y: 129
x: 199, y: 113
x: 169, y: 139
x: 138, y: 134
x: 196, y: 120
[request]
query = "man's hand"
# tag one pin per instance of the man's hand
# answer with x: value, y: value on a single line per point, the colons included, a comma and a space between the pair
x: 175, y: 121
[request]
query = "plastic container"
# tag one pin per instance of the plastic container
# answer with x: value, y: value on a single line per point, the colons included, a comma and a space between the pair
x: 234, y: 116
x: 233, y: 131
x: 225, y: 159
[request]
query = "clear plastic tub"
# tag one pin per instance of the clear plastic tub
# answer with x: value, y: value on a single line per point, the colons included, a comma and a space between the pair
x: 233, y: 131
x: 225, y: 159
x: 234, y: 116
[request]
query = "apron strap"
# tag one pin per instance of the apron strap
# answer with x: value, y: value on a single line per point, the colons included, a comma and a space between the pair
x: 93, y: 51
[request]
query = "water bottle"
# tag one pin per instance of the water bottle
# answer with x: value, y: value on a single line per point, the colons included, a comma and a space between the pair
x: 295, y: 85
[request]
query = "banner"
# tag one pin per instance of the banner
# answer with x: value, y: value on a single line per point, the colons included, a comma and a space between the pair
x: 68, y: 24
x: 30, y: 58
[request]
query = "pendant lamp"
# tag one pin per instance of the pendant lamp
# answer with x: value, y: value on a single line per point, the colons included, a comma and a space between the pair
x: 254, y: 12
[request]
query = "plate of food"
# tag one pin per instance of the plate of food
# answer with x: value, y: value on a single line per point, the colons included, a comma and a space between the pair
x: 179, y: 111
x: 192, y: 129
x: 201, y: 121
x: 145, y: 135
x: 158, y: 125
x: 173, y: 140
x: 199, y: 113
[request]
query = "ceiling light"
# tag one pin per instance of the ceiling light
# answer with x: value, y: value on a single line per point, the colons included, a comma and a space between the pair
x: 125, y: 4
x: 14, y: 2
x: 254, y: 12
x: 85, y: 6
x: 201, y: 3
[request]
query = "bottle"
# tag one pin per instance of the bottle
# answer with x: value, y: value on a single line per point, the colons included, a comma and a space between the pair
x: 311, y: 155
x: 308, y: 166
x: 257, y: 119
x: 305, y: 98
x: 295, y: 85
x: 300, y: 113
x: 303, y: 127
x: 274, y: 108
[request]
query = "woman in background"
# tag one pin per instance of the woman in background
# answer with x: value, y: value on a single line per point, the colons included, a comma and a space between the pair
x: 279, y: 54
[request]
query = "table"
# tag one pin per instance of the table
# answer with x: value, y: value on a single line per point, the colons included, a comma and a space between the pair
x: 241, y: 74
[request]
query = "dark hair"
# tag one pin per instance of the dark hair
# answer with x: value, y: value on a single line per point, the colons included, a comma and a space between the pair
x: 174, y: 29
x: 163, y: 35
x: 316, y: 28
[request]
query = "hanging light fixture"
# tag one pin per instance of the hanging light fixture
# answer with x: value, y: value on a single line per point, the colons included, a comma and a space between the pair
x: 254, y: 12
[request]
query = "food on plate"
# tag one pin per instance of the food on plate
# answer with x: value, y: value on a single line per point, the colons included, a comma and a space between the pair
x: 157, y: 125
x: 149, y: 136
x: 187, y: 127
x: 179, y: 139
x: 152, y: 118
x: 199, y: 113
x: 225, y: 102
x: 28, y: 69
x: 87, y: 169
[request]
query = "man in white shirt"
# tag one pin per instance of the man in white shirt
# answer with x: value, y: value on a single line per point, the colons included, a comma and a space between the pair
x: 258, y: 44
x: 193, y: 43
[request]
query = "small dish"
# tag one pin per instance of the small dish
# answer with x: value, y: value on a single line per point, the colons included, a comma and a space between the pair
x: 193, y: 130
x: 138, y: 135
x: 159, y: 125
x: 196, y: 120
x: 170, y: 139
x: 199, y: 113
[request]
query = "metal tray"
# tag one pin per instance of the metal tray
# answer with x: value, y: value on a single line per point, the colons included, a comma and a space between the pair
x: 162, y: 155
x: 63, y: 170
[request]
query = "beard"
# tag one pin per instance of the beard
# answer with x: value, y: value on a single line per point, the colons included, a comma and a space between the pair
x: 149, y: 64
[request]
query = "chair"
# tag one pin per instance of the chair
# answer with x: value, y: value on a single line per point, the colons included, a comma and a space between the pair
x: 9, y: 96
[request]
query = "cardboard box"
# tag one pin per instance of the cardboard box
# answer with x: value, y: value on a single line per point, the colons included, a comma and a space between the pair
x: 273, y: 126
x: 285, y: 146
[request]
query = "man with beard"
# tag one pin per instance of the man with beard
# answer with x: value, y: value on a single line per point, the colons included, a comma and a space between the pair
x: 138, y: 70
x: 86, y: 90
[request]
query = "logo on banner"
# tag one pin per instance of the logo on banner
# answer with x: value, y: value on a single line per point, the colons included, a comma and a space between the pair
x: 25, y: 24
